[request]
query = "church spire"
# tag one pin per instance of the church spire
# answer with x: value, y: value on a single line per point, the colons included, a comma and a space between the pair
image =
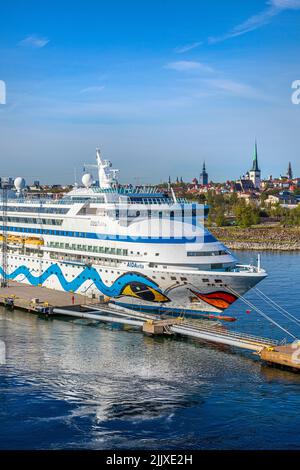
x: 255, y: 160
x: 290, y: 172
x: 203, y: 176
x: 254, y: 173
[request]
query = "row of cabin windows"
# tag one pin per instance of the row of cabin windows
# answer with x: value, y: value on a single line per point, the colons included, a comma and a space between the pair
x: 207, y: 253
x: 160, y: 214
x: 90, y: 248
x: 40, y: 210
x: 32, y: 220
x: 42, y: 231
x: 95, y: 249
x: 83, y: 259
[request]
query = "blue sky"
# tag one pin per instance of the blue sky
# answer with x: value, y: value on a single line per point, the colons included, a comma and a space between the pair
x: 160, y: 86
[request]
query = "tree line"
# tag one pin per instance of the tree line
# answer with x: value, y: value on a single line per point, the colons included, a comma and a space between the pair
x: 229, y: 209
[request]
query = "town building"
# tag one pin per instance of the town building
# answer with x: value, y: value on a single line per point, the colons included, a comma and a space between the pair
x: 203, y: 176
x: 284, y: 198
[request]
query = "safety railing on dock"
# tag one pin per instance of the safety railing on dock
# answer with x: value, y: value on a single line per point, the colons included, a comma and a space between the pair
x: 220, y: 330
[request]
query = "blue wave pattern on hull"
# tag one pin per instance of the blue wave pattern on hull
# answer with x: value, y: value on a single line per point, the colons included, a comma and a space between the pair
x: 88, y: 274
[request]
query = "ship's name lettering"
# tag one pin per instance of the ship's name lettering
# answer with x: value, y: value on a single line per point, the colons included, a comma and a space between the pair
x: 96, y: 223
x: 132, y: 264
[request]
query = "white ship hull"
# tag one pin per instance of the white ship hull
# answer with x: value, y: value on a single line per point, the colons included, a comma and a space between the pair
x: 158, y: 290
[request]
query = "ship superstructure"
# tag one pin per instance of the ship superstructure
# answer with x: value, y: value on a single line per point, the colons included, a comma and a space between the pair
x: 139, y: 246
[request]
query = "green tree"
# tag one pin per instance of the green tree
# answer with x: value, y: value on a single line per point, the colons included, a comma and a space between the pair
x: 246, y: 214
x: 292, y: 217
x: 220, y: 218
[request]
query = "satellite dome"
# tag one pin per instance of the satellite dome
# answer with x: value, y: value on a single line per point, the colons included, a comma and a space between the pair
x: 19, y: 183
x: 87, y: 180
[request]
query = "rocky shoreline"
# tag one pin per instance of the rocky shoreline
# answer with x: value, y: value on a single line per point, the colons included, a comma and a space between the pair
x: 259, y: 238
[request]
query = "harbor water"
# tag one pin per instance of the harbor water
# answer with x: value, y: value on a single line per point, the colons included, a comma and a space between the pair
x: 73, y: 384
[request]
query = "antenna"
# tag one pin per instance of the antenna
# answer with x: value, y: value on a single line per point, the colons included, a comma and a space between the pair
x: 75, y: 176
x: 258, y: 263
x: 173, y: 195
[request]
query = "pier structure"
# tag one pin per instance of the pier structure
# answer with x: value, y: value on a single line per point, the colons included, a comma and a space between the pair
x: 51, y: 303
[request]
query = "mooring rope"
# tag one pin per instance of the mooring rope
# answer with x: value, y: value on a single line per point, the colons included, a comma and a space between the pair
x: 278, y: 307
x: 260, y: 312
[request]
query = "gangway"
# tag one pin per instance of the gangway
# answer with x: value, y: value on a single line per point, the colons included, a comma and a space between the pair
x: 169, y: 325
x: 269, y: 350
x: 222, y: 336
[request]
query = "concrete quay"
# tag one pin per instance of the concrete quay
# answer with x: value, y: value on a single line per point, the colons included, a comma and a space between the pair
x: 23, y: 296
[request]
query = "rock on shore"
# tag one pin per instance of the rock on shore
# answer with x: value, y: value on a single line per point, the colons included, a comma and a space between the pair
x: 260, y: 238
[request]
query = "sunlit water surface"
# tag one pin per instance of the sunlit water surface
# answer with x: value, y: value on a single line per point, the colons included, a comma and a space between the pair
x: 72, y: 384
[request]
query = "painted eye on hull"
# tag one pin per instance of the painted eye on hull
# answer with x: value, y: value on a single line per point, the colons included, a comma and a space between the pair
x: 144, y: 292
x: 221, y: 300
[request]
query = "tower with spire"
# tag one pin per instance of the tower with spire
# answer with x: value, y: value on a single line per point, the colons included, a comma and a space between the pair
x: 290, y: 172
x: 254, y: 173
x: 203, y: 176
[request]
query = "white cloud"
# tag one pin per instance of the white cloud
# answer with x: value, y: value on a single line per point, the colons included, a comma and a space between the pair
x: 2, y: 92
x: 285, y: 4
x: 34, y: 41
x: 273, y: 8
x: 187, y: 47
x: 188, y: 66
x: 236, y: 88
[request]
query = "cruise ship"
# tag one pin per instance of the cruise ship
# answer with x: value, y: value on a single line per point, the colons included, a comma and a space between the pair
x: 139, y: 247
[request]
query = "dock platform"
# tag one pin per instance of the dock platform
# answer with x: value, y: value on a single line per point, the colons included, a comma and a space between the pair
x: 27, y: 297
x: 59, y: 303
x: 287, y: 355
